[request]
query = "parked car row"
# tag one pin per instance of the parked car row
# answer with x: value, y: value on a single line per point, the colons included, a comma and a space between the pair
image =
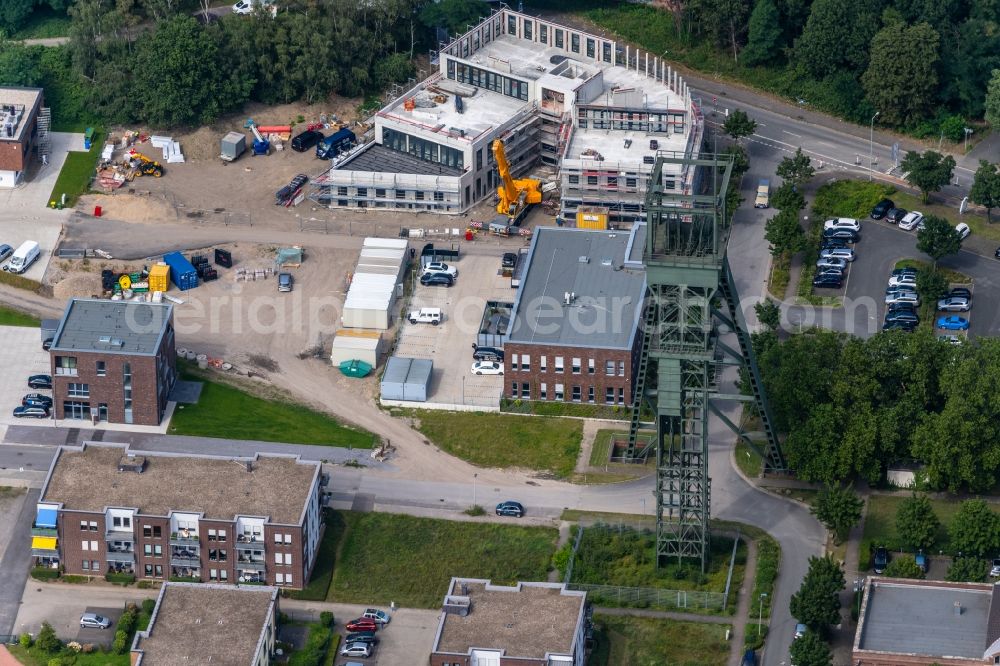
x: 36, y: 405
x: 910, y: 220
x: 361, y: 639
x: 902, y: 300
x: 438, y: 274
x: 834, y: 254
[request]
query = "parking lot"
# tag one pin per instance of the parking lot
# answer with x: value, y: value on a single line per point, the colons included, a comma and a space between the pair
x: 21, y: 356
x: 407, y: 639
x: 449, y: 344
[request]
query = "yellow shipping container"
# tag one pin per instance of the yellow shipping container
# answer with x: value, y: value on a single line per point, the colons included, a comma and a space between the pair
x: 592, y: 217
x: 159, y: 277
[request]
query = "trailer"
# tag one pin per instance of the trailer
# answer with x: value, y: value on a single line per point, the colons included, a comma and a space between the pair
x: 182, y: 272
x: 233, y: 145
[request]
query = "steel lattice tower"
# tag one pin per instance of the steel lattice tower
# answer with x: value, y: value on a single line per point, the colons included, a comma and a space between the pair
x: 688, y: 280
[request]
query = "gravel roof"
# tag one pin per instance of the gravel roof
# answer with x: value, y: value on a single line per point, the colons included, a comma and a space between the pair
x: 196, y: 623
x: 87, y: 479
x: 531, y: 620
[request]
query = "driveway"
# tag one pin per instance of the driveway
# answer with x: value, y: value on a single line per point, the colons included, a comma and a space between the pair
x: 62, y: 604
x: 21, y: 355
x: 102, y: 637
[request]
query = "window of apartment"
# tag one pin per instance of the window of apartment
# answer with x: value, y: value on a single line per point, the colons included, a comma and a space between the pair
x: 147, y: 550
x: 511, y: 25
x: 528, y: 29
x: 590, y: 366
x: 559, y: 364
x: 222, y: 535
x: 66, y: 365
x: 606, y: 51
x: 92, y: 526
x: 513, y: 362
x: 157, y: 550
x: 542, y: 363
x: 362, y: 191
x: 525, y: 362
x: 591, y: 48
x: 591, y: 180
x: 543, y: 391
x: 102, y: 369
x: 380, y: 192
x: 213, y: 574
x: 223, y: 574
x: 288, y: 538
x: 609, y: 395
x: 277, y: 537
x: 278, y: 558
x: 211, y: 535
x: 559, y: 391
x: 122, y: 521
x: 621, y: 395
x: 576, y: 366
x: 526, y: 390
x: 543, y: 33
x: 158, y: 571
x: 83, y: 525
x: 438, y: 196
x: 342, y: 191
x: 630, y: 182
x: 152, y: 531
x: 574, y: 179
x: 148, y: 570
x: 574, y: 43
x: 576, y: 394
x: 590, y: 394
x: 479, y: 159
x: 621, y: 368
x: 559, y: 38
x: 609, y: 368
x: 612, y: 182
x: 419, y: 195
x: 86, y: 565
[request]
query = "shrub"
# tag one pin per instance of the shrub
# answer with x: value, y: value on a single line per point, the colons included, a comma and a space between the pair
x: 74, y: 579
x: 475, y: 510
x: 120, y: 578
x: 44, y: 573
x: 47, y: 640
x: 148, y: 605
x: 144, y: 584
x: 326, y: 618
x: 25, y: 640
x: 953, y: 128
x: 120, y: 644
x: 560, y: 559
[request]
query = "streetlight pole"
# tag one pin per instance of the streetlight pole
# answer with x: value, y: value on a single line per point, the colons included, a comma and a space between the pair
x: 871, y: 146
x: 474, y: 477
x: 760, y: 612
x: 968, y: 131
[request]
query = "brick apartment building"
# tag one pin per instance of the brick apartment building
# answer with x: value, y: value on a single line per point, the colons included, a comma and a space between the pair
x: 159, y: 516
x: 209, y: 624
x: 113, y: 361
x: 574, y: 331
x: 19, y: 109
x: 529, y: 624
x: 924, y: 623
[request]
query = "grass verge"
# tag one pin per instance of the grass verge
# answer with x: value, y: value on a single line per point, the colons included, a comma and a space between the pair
x: 505, y: 440
x: 952, y: 276
x: 77, y: 172
x: 225, y: 411
x: 880, y: 526
x: 326, y: 560
x: 388, y: 557
x: 12, y: 317
x: 780, y: 276
x: 768, y: 560
x: 748, y: 460
x: 35, y: 657
x: 656, y: 642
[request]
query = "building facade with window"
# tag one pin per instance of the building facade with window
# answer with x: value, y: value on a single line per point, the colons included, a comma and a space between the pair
x: 574, y: 334
x: 594, y: 110
x: 105, y: 509
x: 113, y: 361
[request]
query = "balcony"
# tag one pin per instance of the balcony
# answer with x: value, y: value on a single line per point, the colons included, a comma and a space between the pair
x: 180, y: 561
x: 112, y: 535
x: 250, y: 565
x: 44, y: 531
x: 122, y: 556
x: 183, y: 538
x: 251, y: 577
x: 249, y: 538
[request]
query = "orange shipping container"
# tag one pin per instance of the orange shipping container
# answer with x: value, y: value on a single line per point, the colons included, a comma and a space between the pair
x: 159, y: 277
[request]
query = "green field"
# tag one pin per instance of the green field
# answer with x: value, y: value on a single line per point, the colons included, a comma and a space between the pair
x: 12, y: 317
x: 77, y: 172
x: 388, y: 557
x: 227, y: 412
x: 326, y: 559
x: 653, y: 642
x: 880, y: 526
x: 505, y: 440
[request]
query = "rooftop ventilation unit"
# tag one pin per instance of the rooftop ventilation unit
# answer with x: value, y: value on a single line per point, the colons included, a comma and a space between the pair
x: 584, y: 259
x: 132, y: 463
x: 606, y: 261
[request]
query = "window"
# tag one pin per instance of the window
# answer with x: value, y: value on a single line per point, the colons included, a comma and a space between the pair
x: 613, y: 182
x: 479, y: 159
x: 574, y: 41
x: 158, y: 571
x: 93, y: 526
x: 513, y: 362
x: 362, y: 191
x: 591, y: 48
x: 222, y: 535
x: 541, y: 363
x: 574, y: 180
x: 147, y: 550
x: 66, y: 365
x: 78, y: 390
x: 86, y: 564
x: 543, y: 33
x: 223, y: 574
x: 211, y: 535
x: 590, y: 366
x: 576, y: 366
x: 419, y: 195
x: 576, y: 394
x: 380, y: 192
x: 288, y: 578
x: 288, y: 559
x: 83, y: 525
x: 591, y: 180
x: 122, y: 521
x: 526, y: 390
x: 559, y: 363
x: 342, y: 191
x: 543, y: 391
x: 277, y: 537
x: 513, y: 389
x: 213, y: 574
x: 512, y: 25
x: 148, y: 569
x: 277, y: 558
x: 621, y: 395
x: 157, y: 550
x: 525, y: 362
x: 559, y: 391
x: 528, y: 29
x: 630, y: 182
x: 85, y: 545
x: 609, y: 368
x: 559, y: 38
x: 279, y: 579
x: 438, y: 196
x: 590, y: 394
x: 288, y: 538
x: 621, y: 368
x: 153, y: 531
x: 102, y: 370
x: 606, y: 51
x: 609, y: 395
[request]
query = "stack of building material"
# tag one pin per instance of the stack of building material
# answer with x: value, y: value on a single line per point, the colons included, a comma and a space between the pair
x: 171, y: 149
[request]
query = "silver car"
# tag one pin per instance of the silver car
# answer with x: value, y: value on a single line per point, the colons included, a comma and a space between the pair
x: 902, y: 297
x: 831, y: 262
x: 911, y: 220
x: 954, y: 304
x: 94, y: 621
x: 845, y: 253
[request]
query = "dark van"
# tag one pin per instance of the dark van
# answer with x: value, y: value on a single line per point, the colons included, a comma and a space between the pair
x: 306, y: 140
x: 335, y: 144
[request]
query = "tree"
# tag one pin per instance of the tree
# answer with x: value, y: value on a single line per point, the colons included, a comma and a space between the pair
x: 817, y: 604
x: 904, y: 566
x: 837, y: 37
x: 47, y: 640
x: 967, y: 570
x: 901, y: 80
x: 739, y: 125
x: 768, y: 314
x: 839, y: 509
x: 938, y: 238
x: 453, y: 15
x: 992, y: 110
x: 928, y: 171
x: 784, y: 232
x: 764, y: 34
x: 741, y: 163
x: 810, y: 650
x: 986, y: 187
x: 796, y: 169
x: 975, y: 529
x: 786, y: 197
x: 916, y: 522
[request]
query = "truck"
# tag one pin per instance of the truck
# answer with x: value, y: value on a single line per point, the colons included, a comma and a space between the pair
x: 763, y: 194
x: 23, y: 257
x: 233, y: 145
x: 182, y: 272
x: 335, y: 144
x: 425, y: 316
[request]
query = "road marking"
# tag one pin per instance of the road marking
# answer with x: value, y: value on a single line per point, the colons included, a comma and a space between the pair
x: 792, y: 133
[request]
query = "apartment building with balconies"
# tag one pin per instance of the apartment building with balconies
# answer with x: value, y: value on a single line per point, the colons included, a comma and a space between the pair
x: 197, y: 518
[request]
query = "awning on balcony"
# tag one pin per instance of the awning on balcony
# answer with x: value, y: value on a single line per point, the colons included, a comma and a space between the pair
x: 45, y: 518
x: 43, y: 543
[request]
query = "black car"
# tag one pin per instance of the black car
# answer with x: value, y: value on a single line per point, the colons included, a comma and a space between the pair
x: 306, y: 140
x: 47, y: 344
x: 832, y: 243
x: 361, y: 637
x: 882, y: 208
x: 895, y: 215
x: 847, y: 235
x: 749, y: 658
x: 828, y: 281
x: 902, y: 315
x: 40, y: 382
x: 907, y: 326
x: 902, y: 307
x: 31, y: 412
x: 437, y: 280
x: 510, y: 508
x: 509, y: 259
x: 960, y: 292
x: 881, y: 559
x: 486, y: 354
x: 36, y: 400
x: 290, y: 191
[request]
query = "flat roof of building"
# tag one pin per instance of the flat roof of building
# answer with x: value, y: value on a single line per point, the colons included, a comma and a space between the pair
x: 120, y: 327
x: 29, y: 98
x: 606, y: 297
x: 913, y: 618
x: 198, y: 623
x: 529, y: 620
x: 87, y: 479
x: 610, y: 144
x: 378, y: 158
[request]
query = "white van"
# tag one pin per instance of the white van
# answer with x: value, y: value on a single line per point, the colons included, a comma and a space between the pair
x: 23, y: 257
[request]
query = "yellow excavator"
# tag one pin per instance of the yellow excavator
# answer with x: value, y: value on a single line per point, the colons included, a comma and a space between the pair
x: 514, y: 195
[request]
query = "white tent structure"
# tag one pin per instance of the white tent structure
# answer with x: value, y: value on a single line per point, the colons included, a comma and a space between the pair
x: 375, y: 284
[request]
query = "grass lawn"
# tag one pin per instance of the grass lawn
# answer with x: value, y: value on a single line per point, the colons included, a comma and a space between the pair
x: 44, y: 22
x: 748, y: 460
x: 505, y: 440
x: 227, y: 412
x: 978, y: 223
x: 12, y: 317
x: 880, y: 526
x: 655, y: 642
x: 77, y: 171
x: 388, y: 557
x: 326, y: 560
x: 35, y: 657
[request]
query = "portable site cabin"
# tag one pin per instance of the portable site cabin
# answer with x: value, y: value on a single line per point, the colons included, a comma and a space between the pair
x: 356, y: 344
x: 407, y: 379
x: 375, y: 284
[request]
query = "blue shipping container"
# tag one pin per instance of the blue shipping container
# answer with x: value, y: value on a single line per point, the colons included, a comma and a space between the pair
x: 182, y: 273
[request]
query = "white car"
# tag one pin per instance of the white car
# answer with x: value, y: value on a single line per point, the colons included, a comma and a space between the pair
x: 356, y: 650
x: 911, y: 220
x: 831, y: 262
x: 843, y: 223
x: 963, y: 230
x: 995, y: 570
x: 425, y: 316
x: 487, y: 368
x: 440, y: 267
x: 845, y: 253
x: 903, y: 281
x: 902, y: 297
x: 243, y: 7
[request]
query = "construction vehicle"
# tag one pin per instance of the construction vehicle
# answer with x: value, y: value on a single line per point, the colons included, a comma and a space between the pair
x: 261, y: 146
x: 143, y: 166
x: 515, y: 195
